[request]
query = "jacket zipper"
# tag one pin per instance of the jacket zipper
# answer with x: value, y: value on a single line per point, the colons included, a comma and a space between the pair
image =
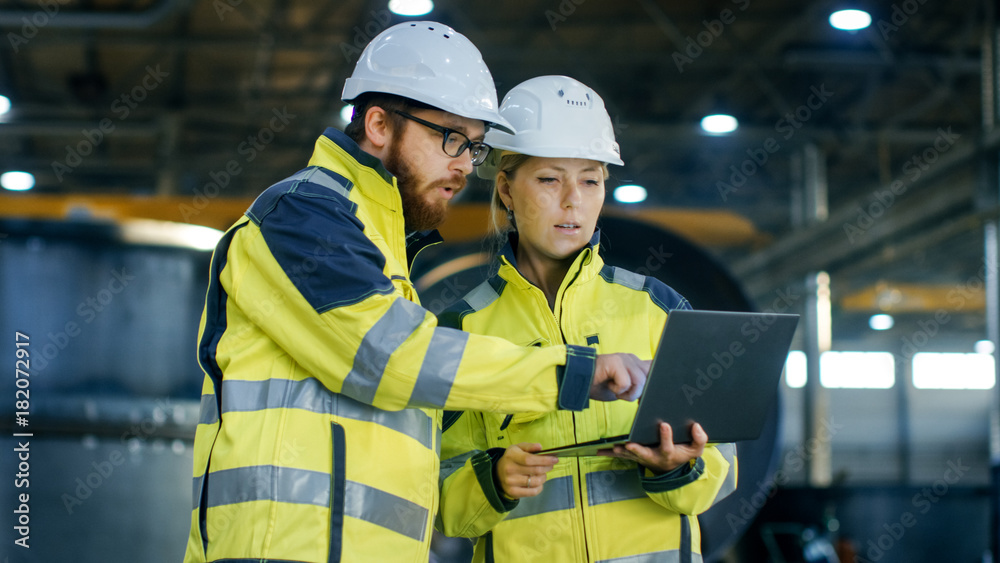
x: 576, y: 461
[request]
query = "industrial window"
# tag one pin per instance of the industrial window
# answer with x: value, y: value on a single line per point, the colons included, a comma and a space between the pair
x: 795, y: 369
x: 932, y: 370
x: 868, y: 370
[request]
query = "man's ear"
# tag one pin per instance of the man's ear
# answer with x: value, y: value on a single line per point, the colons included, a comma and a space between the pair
x: 378, y: 129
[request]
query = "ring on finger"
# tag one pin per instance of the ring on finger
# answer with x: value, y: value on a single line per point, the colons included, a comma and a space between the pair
x: 529, y: 482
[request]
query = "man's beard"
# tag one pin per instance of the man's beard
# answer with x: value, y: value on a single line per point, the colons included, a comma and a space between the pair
x: 418, y: 213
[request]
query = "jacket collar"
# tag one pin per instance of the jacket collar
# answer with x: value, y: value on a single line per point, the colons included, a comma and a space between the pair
x: 338, y: 152
x: 588, y: 262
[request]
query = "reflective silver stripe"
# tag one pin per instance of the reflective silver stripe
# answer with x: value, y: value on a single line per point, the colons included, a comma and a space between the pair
x: 613, y: 485
x: 557, y: 494
x: 728, y: 451
x: 301, y: 486
x: 388, y: 333
x: 672, y: 556
x: 481, y: 297
x: 209, y: 410
x: 385, y: 510
x: 316, y: 176
x: 629, y: 279
x: 453, y: 464
x: 309, y: 394
x: 196, y: 491
x: 268, y: 482
x: 437, y: 373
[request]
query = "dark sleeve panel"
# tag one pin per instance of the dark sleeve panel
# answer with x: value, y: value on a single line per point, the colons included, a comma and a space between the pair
x: 664, y: 296
x: 682, y: 475
x: 321, y: 246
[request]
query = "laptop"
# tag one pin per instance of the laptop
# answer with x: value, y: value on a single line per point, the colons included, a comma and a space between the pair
x: 718, y: 368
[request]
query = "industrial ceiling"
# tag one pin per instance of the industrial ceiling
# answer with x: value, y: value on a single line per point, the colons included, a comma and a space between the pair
x: 869, y: 155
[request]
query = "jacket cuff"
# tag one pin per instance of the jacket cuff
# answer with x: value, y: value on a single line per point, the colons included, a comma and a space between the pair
x: 574, y: 378
x: 483, y: 464
x: 675, y: 479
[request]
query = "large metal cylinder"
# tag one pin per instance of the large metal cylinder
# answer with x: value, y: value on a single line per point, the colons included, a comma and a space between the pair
x: 112, y: 392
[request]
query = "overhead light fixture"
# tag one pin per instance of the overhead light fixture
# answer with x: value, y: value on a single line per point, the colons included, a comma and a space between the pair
x: 881, y: 322
x: 346, y: 113
x: 168, y: 233
x: 850, y: 20
x: 411, y: 7
x: 4, y: 104
x: 630, y: 193
x: 17, y: 181
x: 983, y: 347
x: 719, y: 124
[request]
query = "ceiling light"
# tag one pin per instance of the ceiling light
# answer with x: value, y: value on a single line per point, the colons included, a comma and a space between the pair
x: 719, y: 124
x: 411, y: 7
x: 17, y: 181
x: 983, y: 347
x: 346, y: 113
x: 881, y: 322
x: 4, y: 104
x: 850, y: 20
x: 168, y: 233
x: 630, y: 193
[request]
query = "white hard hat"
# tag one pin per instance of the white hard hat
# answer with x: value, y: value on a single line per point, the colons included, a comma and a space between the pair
x: 431, y: 63
x: 556, y: 117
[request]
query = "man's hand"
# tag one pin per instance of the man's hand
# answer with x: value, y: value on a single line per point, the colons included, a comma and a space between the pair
x: 618, y: 376
x: 668, y: 455
x: 521, y: 473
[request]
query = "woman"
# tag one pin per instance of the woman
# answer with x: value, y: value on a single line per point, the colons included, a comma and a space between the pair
x: 552, y: 287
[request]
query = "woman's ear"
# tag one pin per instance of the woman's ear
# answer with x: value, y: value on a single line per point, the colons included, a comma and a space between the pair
x: 378, y: 130
x: 503, y: 189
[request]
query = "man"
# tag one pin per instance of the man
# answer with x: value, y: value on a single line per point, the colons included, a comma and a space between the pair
x: 325, y: 380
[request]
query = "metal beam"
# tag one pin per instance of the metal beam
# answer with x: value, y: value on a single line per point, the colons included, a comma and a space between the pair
x: 93, y: 19
x: 811, y: 248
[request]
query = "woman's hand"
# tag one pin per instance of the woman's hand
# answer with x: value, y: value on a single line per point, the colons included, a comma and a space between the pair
x: 521, y: 473
x: 668, y: 455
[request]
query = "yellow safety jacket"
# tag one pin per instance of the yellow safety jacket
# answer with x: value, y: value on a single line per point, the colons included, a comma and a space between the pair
x: 325, y: 379
x: 591, y: 508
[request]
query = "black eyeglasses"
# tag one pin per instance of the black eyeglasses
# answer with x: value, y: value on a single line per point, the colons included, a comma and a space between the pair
x: 454, y: 142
